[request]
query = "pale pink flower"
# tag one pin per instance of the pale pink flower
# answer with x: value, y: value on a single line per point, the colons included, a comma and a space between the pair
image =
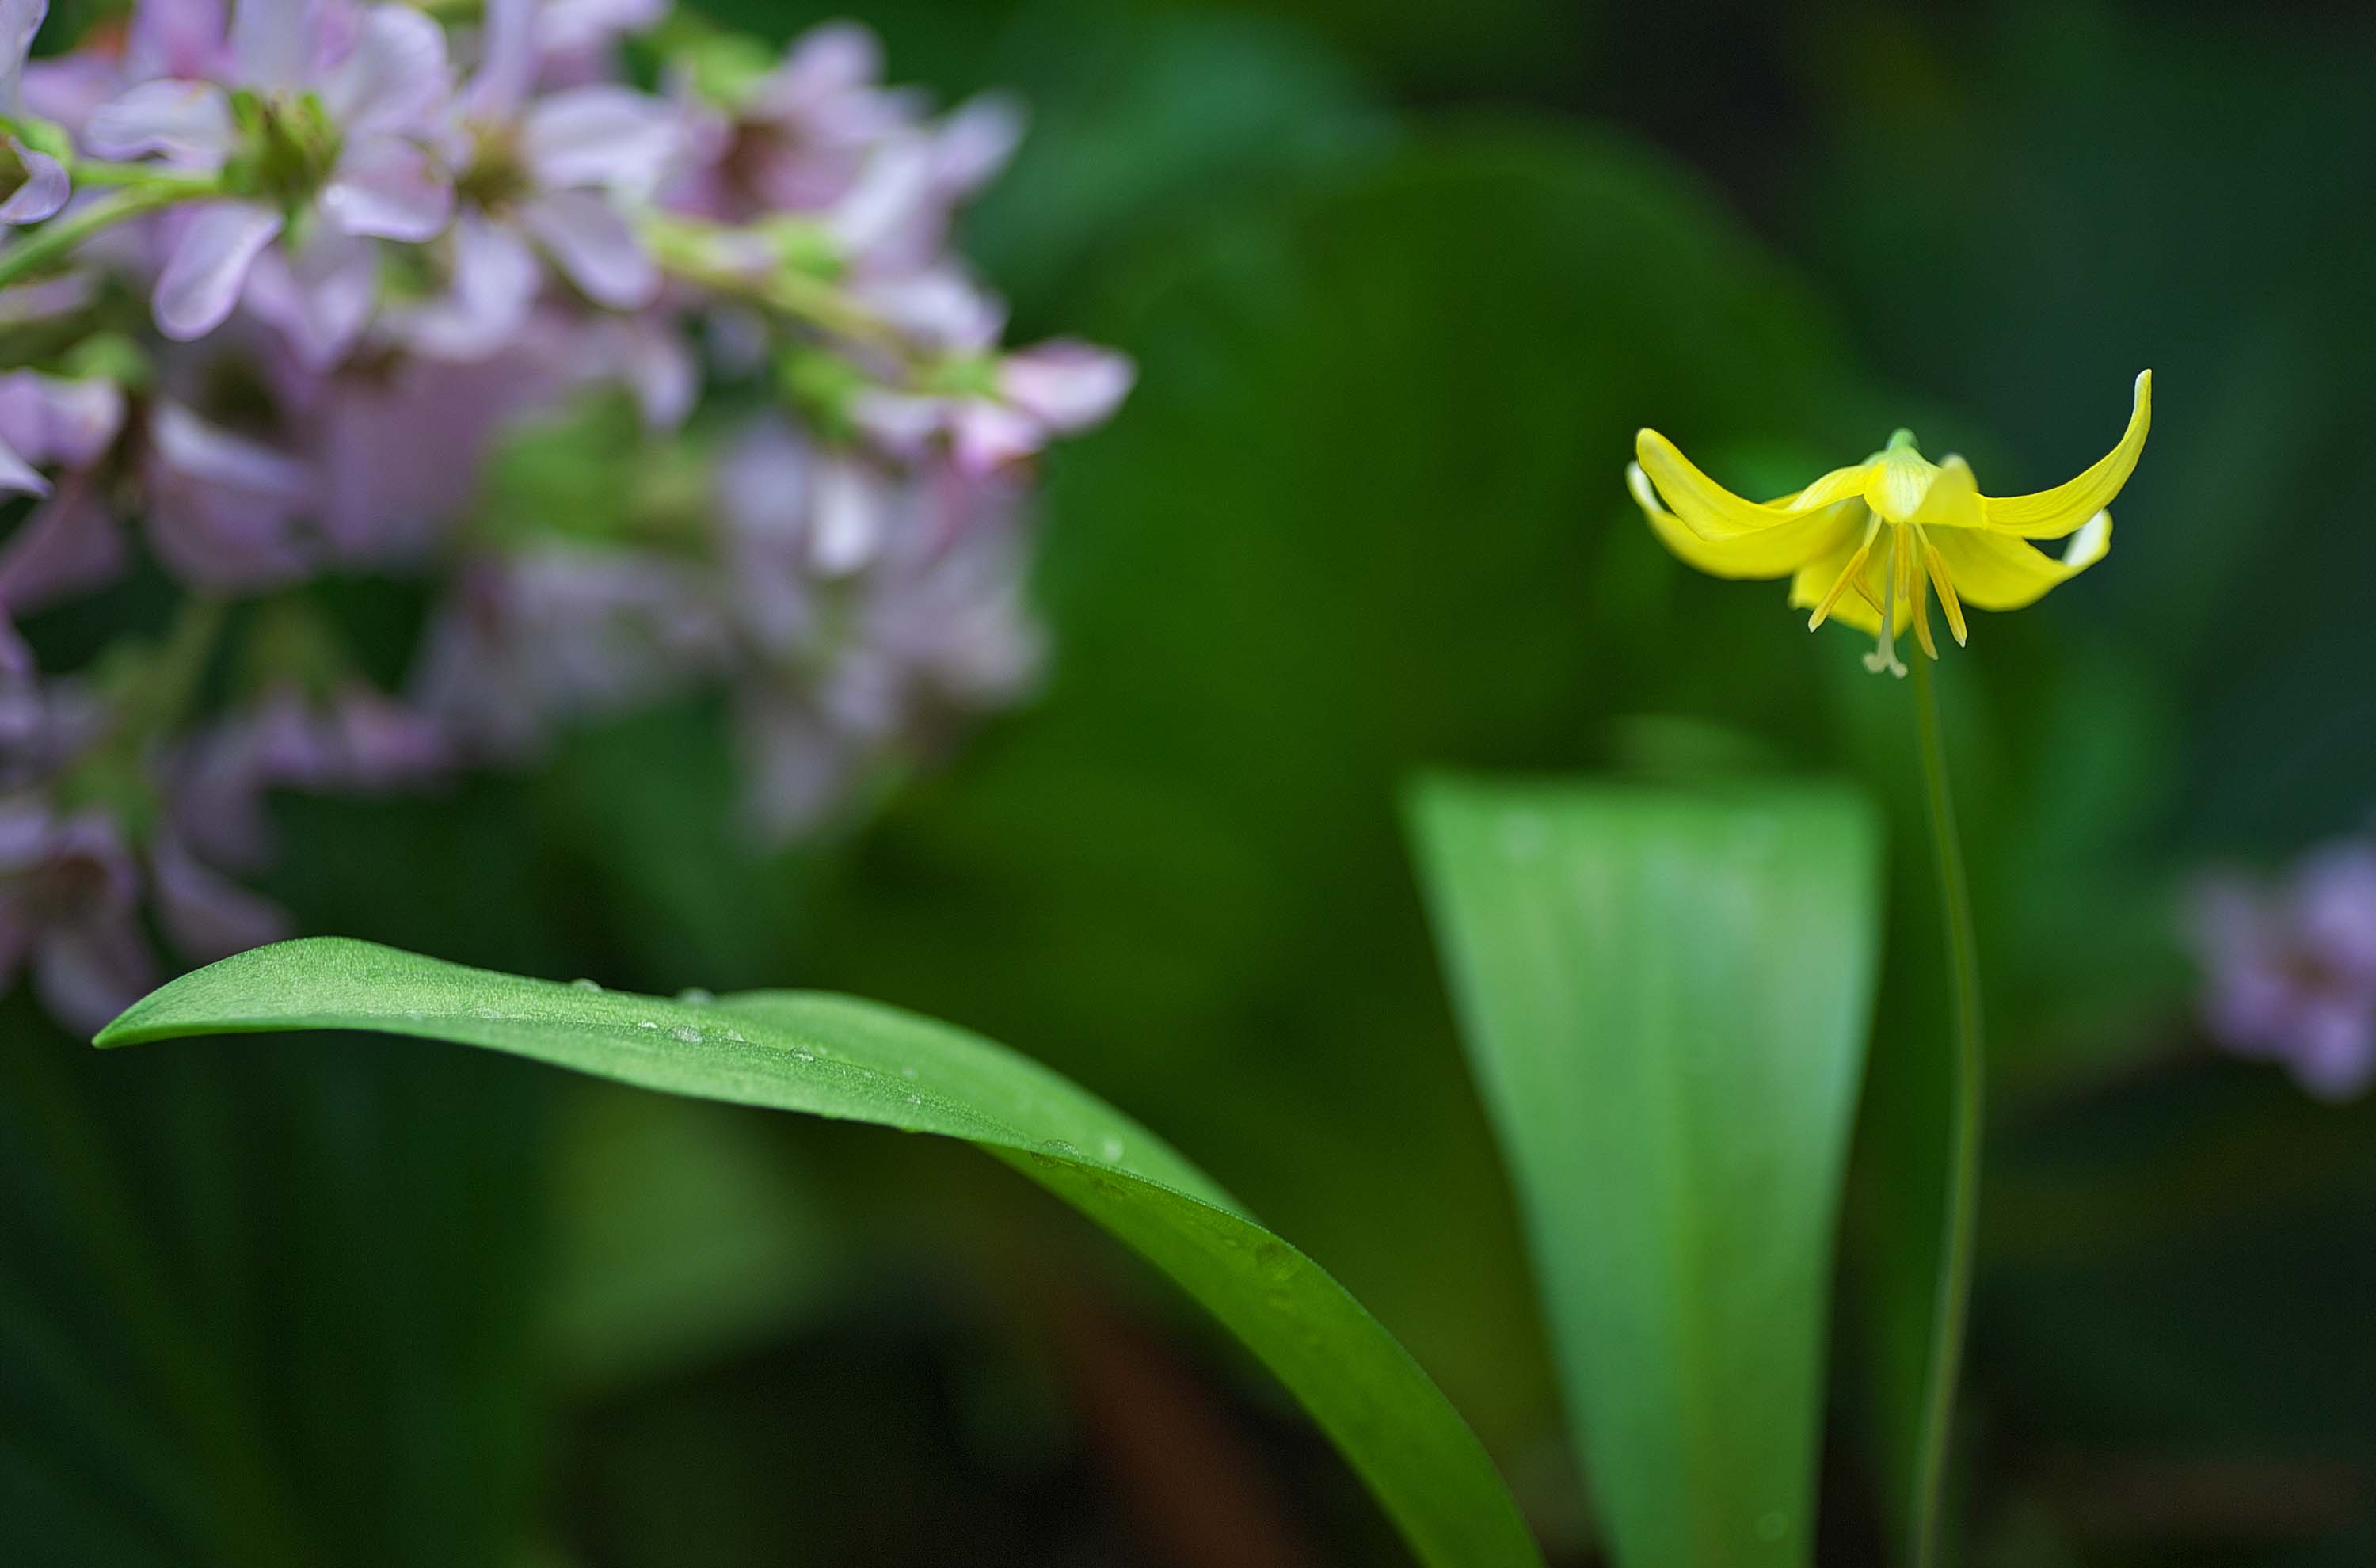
x: 381, y: 77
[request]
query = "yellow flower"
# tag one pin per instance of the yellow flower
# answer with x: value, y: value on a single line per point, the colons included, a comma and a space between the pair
x: 1941, y: 533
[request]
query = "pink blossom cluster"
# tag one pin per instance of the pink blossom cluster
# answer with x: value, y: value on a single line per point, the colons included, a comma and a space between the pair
x: 657, y: 387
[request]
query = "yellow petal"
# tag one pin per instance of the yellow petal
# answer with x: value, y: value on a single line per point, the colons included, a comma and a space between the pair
x: 1771, y: 552
x: 1900, y: 480
x: 1991, y: 572
x: 1840, y: 484
x: 2050, y: 514
x: 1953, y: 500
x: 1713, y: 512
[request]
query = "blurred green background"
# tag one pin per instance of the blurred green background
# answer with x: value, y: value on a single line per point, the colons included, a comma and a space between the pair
x: 1401, y: 279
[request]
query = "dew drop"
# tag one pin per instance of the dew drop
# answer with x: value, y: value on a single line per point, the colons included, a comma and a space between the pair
x: 802, y: 1056
x: 586, y: 985
x: 737, y: 1036
x: 685, y: 1033
x: 646, y: 1024
x: 1111, y: 1150
x: 915, y: 1100
x: 694, y: 996
x: 1058, y: 1145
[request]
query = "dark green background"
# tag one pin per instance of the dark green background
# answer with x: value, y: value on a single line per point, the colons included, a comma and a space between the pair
x: 1401, y: 281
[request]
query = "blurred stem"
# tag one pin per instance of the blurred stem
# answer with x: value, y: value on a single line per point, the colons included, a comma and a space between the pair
x: 1960, y: 1221
x: 689, y: 250
x: 55, y: 239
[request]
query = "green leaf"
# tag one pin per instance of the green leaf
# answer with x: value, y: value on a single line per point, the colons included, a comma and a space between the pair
x: 1666, y: 997
x: 841, y: 1057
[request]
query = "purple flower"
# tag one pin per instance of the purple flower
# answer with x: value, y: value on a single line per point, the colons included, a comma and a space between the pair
x: 163, y: 37
x: 69, y: 899
x: 556, y: 175
x: 874, y: 610
x: 575, y: 39
x: 558, y: 635
x: 206, y: 915
x: 351, y: 741
x: 34, y: 182
x: 225, y: 512
x: 1056, y: 389
x: 2290, y: 970
x: 49, y: 418
x: 397, y: 442
x: 327, y: 147
x: 799, y: 139
x: 69, y: 543
x: 895, y: 218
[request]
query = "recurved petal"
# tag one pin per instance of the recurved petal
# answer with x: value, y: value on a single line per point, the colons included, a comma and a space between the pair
x: 1991, y: 572
x: 43, y: 191
x: 1716, y: 513
x: 1840, y: 484
x: 2050, y: 514
x: 1772, y: 551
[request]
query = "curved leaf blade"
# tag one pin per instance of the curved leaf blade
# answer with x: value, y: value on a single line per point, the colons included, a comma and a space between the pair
x: 848, y: 1059
x: 1666, y: 996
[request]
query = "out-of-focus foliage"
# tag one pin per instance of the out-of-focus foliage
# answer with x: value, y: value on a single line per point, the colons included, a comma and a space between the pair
x: 1665, y: 995
x: 1400, y: 293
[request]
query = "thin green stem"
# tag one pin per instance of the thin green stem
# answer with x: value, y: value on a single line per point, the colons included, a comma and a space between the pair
x: 55, y: 240
x: 685, y: 249
x: 1960, y: 1221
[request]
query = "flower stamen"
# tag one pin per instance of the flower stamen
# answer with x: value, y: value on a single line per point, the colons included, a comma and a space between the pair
x: 1948, y: 600
x: 1918, y: 592
x: 1853, y: 573
x: 1884, y: 653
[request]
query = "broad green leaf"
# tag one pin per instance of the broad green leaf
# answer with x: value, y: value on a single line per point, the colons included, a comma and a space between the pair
x: 841, y: 1057
x: 1666, y: 997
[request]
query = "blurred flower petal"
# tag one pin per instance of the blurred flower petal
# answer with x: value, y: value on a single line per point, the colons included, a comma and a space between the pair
x: 1066, y: 384
x: 319, y: 296
x: 593, y: 246
x: 209, y: 268
x: 392, y: 78
x: 188, y: 122
x: 42, y: 190
x: 389, y: 189
x: 610, y: 138
x: 206, y: 915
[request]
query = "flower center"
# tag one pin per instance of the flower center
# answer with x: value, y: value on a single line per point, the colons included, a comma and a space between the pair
x: 498, y: 175
x: 288, y: 146
x: 1902, y: 480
